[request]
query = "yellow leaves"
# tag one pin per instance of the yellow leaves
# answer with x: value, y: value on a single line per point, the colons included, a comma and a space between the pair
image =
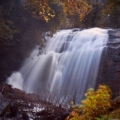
x: 77, y: 6
x: 52, y: 16
x: 41, y: 13
x: 46, y: 19
x: 97, y: 103
x: 70, y: 7
x: 74, y: 115
x: 42, y: 8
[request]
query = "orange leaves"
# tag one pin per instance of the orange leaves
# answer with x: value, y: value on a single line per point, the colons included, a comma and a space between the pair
x: 41, y: 9
x: 77, y: 6
x: 71, y: 7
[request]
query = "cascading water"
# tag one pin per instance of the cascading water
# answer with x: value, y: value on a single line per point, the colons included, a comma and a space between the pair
x: 71, y: 63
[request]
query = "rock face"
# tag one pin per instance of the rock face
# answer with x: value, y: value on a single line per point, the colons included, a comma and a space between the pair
x: 17, y: 104
x: 109, y: 72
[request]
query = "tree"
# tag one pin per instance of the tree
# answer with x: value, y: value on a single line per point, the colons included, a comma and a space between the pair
x: 96, y: 103
x: 7, y: 31
x: 42, y: 8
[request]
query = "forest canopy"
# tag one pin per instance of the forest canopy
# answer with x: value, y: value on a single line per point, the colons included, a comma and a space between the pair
x: 78, y: 12
x: 44, y: 9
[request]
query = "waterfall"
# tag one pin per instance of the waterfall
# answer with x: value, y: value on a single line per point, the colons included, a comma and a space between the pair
x: 70, y: 64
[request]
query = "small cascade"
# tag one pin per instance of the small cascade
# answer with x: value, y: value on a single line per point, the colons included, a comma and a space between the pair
x: 70, y: 65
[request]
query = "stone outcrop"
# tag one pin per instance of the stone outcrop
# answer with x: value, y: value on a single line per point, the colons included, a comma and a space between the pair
x: 109, y: 72
x: 17, y: 104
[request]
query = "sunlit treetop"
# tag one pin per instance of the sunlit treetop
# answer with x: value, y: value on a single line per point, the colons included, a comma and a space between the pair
x: 82, y: 8
x: 42, y: 8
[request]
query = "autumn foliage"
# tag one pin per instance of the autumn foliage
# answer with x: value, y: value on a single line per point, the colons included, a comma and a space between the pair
x: 96, y: 103
x: 42, y: 8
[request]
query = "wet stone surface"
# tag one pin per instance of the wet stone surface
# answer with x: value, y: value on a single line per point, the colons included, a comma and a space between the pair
x: 109, y: 72
x: 15, y: 104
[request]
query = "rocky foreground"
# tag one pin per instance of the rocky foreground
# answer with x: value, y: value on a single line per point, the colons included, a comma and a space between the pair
x: 16, y: 104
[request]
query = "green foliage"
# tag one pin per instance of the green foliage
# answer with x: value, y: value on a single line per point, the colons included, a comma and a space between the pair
x: 115, y: 114
x: 7, y: 31
x: 96, y: 103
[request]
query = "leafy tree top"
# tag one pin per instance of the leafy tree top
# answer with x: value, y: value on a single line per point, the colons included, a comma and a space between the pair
x: 42, y: 8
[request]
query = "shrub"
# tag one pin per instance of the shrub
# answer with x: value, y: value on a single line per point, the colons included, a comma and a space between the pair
x: 96, y: 103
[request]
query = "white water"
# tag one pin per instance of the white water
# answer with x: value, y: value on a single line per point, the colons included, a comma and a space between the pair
x: 71, y: 63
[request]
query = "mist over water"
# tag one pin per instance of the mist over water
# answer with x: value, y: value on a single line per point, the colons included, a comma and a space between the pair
x: 71, y: 63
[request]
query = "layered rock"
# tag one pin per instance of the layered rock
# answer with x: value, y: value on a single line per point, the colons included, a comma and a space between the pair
x: 109, y: 72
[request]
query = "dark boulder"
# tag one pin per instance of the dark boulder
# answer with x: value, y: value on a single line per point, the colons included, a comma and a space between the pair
x: 13, y: 110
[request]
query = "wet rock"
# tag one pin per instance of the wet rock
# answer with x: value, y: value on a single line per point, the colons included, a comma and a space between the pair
x: 25, y: 116
x: 114, y: 33
x: 13, y: 110
x: 5, y: 110
x: 109, y: 72
x: 63, y: 116
x: 19, y: 108
x: 75, y: 29
x: 43, y: 113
